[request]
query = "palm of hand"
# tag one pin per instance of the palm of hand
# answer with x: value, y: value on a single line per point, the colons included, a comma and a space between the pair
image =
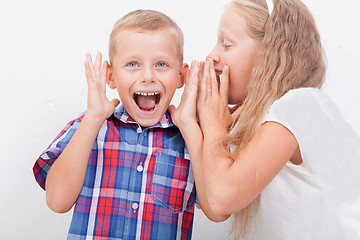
x: 212, y: 103
x: 99, y: 105
x: 185, y: 114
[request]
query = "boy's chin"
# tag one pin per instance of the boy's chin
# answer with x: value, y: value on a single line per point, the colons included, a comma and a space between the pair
x: 147, y: 118
x: 148, y: 122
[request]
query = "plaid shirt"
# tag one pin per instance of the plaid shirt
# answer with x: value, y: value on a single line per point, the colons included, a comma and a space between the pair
x: 138, y: 184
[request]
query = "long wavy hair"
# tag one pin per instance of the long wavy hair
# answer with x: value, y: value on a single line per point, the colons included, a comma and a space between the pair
x: 289, y: 56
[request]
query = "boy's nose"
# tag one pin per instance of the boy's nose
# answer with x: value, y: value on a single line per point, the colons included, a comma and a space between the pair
x: 148, y: 75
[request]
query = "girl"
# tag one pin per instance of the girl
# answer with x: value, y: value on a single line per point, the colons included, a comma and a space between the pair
x: 283, y: 161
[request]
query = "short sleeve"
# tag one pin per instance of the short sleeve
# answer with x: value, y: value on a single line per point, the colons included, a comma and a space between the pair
x: 304, y: 111
x: 48, y: 157
x: 318, y: 126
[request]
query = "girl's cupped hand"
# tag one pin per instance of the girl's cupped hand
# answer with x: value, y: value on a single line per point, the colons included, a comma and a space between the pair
x: 212, y: 104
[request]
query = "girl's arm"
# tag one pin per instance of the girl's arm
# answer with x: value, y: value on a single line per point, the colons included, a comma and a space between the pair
x: 184, y: 117
x: 66, y: 176
x: 231, y: 185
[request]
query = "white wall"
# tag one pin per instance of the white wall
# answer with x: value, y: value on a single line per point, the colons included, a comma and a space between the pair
x: 42, y: 48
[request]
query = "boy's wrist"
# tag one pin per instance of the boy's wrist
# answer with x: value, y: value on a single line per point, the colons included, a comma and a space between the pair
x: 94, y: 120
x: 189, y: 128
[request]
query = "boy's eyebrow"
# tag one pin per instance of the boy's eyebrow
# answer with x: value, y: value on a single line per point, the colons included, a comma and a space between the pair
x: 140, y: 56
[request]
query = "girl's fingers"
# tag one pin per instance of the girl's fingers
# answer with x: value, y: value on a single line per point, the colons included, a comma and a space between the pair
x: 204, y: 82
x: 200, y: 77
x: 213, y: 79
x: 201, y: 69
x: 208, y: 79
x: 224, y: 84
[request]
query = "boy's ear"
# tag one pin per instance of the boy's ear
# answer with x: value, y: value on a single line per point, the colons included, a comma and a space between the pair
x: 110, y: 78
x: 182, y: 75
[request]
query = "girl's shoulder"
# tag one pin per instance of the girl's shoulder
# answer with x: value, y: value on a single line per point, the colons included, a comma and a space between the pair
x: 306, y: 110
x: 309, y: 94
x: 304, y: 101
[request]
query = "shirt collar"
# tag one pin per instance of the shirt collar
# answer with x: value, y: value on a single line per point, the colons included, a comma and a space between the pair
x: 121, y: 114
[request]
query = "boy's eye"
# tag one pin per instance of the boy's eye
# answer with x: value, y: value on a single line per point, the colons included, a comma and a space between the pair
x: 161, y: 64
x: 132, y: 64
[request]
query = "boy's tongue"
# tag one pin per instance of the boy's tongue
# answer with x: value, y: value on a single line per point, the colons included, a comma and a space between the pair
x: 146, y: 102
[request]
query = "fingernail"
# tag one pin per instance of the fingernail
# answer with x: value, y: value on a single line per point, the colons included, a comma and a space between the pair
x: 211, y: 63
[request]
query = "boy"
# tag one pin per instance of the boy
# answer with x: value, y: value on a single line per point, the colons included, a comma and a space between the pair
x: 126, y: 170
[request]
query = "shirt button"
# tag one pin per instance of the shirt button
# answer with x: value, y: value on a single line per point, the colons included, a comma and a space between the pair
x: 139, y: 130
x: 135, y: 206
x: 139, y: 168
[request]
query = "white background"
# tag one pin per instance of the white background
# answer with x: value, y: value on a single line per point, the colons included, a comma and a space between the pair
x: 42, y: 49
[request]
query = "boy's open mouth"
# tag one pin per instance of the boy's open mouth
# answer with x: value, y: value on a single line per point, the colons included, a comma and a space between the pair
x: 147, y: 101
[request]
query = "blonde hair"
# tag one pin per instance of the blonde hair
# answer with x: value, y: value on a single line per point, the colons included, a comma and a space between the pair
x: 289, y: 56
x: 146, y: 20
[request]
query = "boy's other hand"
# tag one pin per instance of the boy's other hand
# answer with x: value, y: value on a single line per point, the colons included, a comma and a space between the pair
x: 99, y: 107
x: 185, y: 113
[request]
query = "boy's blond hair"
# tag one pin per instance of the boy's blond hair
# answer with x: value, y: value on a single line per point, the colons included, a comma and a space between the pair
x: 146, y: 20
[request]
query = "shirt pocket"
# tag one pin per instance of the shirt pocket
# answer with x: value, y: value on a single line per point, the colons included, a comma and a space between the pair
x: 173, y: 183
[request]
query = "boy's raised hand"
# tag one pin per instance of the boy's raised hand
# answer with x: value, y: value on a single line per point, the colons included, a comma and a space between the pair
x: 66, y: 176
x: 185, y: 113
x: 99, y: 107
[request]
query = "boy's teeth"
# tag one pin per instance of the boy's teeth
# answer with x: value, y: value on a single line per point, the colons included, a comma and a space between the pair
x: 147, y: 101
x: 146, y: 94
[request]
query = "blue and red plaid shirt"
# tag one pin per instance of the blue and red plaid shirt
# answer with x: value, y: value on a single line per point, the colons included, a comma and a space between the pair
x: 138, y: 184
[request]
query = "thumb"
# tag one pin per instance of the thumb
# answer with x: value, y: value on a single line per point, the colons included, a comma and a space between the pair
x: 236, y: 111
x: 171, y: 109
x: 115, y: 102
x: 224, y: 84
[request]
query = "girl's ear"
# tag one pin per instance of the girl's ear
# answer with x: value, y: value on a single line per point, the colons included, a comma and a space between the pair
x: 182, y: 75
x: 110, y: 78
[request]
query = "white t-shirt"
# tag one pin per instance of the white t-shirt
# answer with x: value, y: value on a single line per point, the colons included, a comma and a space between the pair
x: 320, y: 198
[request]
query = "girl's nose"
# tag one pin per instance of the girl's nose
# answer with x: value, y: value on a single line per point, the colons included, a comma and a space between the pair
x: 215, y: 57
